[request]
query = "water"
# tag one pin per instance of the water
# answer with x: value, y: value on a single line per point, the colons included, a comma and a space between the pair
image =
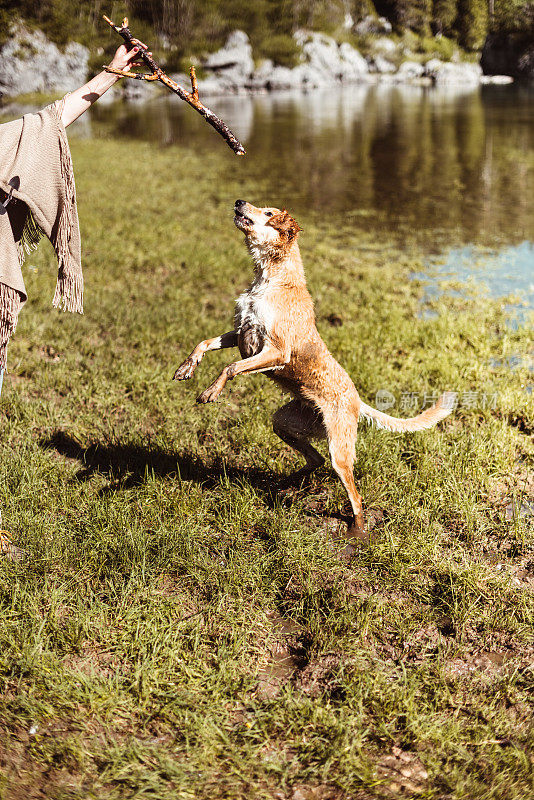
x: 507, y: 272
x: 456, y: 159
x: 453, y: 167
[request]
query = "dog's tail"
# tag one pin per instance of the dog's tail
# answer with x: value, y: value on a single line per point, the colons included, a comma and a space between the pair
x: 431, y: 416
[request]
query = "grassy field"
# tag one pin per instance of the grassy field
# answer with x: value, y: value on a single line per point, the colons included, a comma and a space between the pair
x: 180, y: 628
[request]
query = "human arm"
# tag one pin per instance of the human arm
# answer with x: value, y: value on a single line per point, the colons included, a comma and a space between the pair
x: 83, y: 98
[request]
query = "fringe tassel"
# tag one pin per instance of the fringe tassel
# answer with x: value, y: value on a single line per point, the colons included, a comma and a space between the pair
x: 69, y: 288
x: 31, y: 236
x: 69, y: 293
x: 9, y: 314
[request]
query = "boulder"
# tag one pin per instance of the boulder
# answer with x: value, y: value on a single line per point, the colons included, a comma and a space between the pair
x: 354, y: 64
x: 331, y: 61
x: 323, y: 62
x: 272, y: 76
x: 385, y: 46
x: 372, y: 25
x: 29, y: 62
x: 233, y: 64
x: 410, y: 70
x: 496, y: 80
x: 381, y: 65
x: 447, y: 73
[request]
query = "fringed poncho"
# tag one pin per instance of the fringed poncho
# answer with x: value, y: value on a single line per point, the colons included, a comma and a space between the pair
x: 35, y: 152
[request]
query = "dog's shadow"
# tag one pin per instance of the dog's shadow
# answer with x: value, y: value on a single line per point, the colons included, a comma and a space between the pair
x: 127, y: 465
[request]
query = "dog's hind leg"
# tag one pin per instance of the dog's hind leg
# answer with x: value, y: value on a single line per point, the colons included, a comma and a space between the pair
x: 297, y: 423
x: 341, y: 430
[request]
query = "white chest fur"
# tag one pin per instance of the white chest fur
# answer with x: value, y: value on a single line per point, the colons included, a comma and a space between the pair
x: 254, y: 315
x: 253, y: 309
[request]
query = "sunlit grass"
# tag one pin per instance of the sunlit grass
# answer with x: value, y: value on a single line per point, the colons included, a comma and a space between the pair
x: 134, y: 634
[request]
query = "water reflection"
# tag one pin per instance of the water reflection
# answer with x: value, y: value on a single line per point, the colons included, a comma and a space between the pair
x: 456, y: 163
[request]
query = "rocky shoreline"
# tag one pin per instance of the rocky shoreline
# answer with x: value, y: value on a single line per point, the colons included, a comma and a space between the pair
x: 29, y: 63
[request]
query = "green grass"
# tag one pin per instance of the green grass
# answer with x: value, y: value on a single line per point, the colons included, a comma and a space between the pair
x: 165, y: 575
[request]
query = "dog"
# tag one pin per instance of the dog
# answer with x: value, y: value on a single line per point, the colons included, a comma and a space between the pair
x: 275, y: 331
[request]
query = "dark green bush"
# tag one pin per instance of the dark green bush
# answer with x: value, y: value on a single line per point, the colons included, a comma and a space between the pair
x: 281, y: 48
x: 183, y: 27
x: 472, y: 23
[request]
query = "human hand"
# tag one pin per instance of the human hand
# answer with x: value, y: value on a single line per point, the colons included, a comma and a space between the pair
x: 124, y: 59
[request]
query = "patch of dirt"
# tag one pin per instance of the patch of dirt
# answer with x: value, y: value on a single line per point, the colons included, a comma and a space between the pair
x: 519, y: 482
x: 524, y: 510
x: 490, y: 656
x: 93, y: 662
x: 334, y: 320
x: 322, y: 792
x: 287, y: 648
x: 403, y: 774
x: 521, y: 422
x: 26, y: 778
x: 321, y: 677
x: 345, y: 541
x: 16, y: 380
x: 486, y: 661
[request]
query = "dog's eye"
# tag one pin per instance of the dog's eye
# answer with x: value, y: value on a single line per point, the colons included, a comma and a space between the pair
x: 268, y: 213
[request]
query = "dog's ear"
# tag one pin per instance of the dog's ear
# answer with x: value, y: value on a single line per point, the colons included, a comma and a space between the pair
x: 286, y: 226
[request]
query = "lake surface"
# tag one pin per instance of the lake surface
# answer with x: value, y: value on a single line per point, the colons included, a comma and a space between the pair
x: 454, y: 166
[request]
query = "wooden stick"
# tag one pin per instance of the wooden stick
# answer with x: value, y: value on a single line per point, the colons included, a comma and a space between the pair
x: 157, y: 74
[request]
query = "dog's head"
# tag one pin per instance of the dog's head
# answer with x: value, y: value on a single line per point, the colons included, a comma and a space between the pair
x: 265, y: 227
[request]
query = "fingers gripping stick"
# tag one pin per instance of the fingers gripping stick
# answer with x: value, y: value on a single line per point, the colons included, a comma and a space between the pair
x: 157, y: 74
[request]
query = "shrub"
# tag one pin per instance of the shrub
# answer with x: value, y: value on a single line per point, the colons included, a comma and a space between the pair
x: 472, y: 23
x: 281, y: 48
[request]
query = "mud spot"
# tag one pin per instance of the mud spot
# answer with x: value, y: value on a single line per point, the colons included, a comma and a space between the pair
x: 287, y: 652
x: 403, y: 773
x: 323, y: 792
x: 487, y: 663
x: 322, y: 677
x: 524, y: 510
x: 348, y: 539
x: 49, y: 353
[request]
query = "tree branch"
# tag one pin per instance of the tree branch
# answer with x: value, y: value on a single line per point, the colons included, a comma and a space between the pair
x: 157, y: 74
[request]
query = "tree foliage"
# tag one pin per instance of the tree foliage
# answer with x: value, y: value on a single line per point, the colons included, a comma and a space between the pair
x: 192, y: 26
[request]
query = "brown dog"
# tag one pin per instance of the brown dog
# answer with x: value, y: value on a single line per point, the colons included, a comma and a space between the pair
x: 275, y: 331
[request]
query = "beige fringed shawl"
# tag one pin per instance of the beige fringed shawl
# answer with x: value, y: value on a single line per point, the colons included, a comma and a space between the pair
x: 35, y: 150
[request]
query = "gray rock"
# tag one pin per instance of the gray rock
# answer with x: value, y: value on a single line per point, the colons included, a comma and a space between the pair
x: 371, y: 24
x: 385, y: 46
x: 233, y: 63
x: 135, y: 91
x: 323, y: 63
x: 272, y: 76
x: 29, y: 62
x: 212, y: 85
x: 331, y: 61
x: 354, y: 64
x: 446, y: 73
x: 381, y: 65
x: 497, y: 80
x: 409, y: 70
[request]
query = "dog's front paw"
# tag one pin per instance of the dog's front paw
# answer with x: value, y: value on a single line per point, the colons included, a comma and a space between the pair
x: 186, y: 370
x: 211, y: 393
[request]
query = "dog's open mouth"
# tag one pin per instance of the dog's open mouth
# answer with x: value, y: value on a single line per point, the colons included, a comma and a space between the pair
x: 242, y: 220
